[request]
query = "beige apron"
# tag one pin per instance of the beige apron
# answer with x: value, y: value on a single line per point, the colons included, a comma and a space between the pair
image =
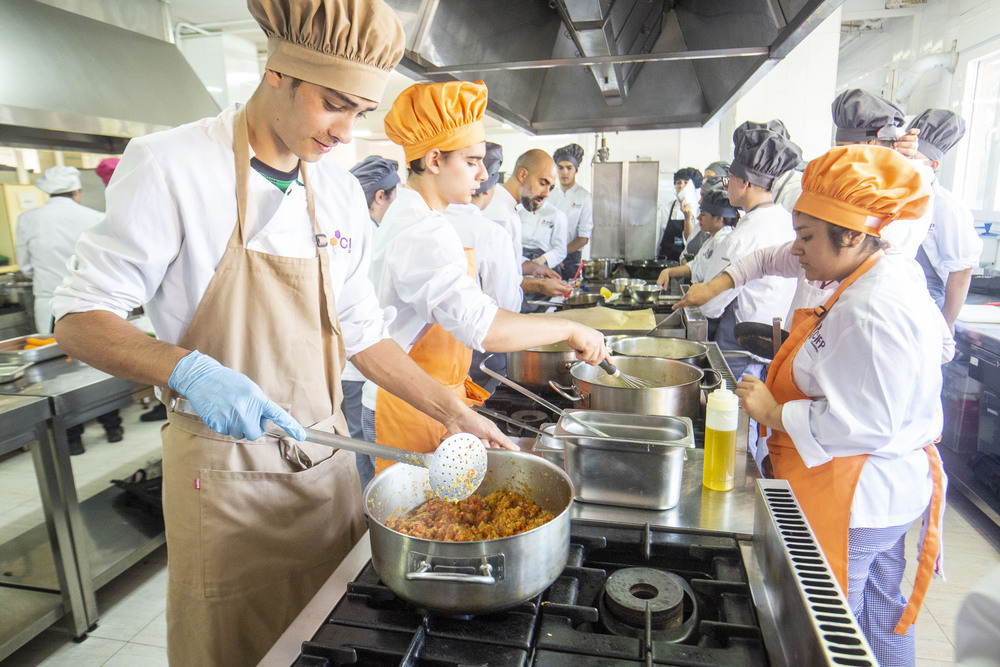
x: 253, y: 529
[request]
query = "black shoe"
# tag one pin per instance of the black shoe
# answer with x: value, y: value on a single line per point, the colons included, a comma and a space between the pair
x: 115, y: 434
x: 158, y: 413
x: 76, y: 446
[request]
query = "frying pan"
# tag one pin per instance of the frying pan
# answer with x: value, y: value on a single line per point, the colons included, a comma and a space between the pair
x: 760, y: 339
x: 587, y: 300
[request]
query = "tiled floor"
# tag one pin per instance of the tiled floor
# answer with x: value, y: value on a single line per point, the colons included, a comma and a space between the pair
x: 132, y: 628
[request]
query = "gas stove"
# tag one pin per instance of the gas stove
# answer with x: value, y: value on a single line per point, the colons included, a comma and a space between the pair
x: 639, y: 588
x: 635, y: 595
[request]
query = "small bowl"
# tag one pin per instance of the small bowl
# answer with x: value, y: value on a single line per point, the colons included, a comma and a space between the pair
x: 645, y: 292
x: 619, y: 284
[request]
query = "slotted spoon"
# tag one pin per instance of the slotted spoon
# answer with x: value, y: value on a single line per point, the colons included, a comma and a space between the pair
x: 455, y: 469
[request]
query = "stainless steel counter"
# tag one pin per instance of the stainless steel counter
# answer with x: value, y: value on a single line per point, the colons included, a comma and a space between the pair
x: 103, y: 542
x: 699, y: 509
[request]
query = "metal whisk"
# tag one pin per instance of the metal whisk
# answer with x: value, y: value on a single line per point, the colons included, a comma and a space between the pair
x: 623, y: 379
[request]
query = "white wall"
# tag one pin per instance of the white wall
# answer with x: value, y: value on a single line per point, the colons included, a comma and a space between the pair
x: 798, y: 90
x: 880, y: 60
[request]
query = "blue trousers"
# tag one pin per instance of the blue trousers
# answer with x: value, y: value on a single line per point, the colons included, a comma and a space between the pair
x: 875, y: 574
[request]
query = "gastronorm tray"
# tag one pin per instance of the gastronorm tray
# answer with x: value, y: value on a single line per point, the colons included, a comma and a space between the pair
x: 620, y: 473
x: 12, y: 350
x: 11, y: 372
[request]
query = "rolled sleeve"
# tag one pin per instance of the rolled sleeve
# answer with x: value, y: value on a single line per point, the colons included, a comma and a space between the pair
x: 429, y: 274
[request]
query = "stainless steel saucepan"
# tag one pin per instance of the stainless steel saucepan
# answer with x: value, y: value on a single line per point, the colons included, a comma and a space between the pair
x: 471, y: 577
x: 677, y: 391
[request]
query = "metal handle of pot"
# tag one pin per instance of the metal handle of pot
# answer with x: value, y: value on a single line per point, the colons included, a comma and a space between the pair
x: 562, y: 391
x: 535, y: 397
x: 426, y: 573
x: 714, y: 384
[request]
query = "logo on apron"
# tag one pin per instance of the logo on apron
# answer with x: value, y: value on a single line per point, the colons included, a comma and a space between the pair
x: 342, y: 241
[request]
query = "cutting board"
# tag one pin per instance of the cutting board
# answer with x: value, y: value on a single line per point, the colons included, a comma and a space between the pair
x: 609, y: 319
x: 981, y: 314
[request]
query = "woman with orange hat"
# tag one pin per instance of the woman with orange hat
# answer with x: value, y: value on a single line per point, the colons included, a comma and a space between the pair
x: 421, y: 270
x: 853, y: 397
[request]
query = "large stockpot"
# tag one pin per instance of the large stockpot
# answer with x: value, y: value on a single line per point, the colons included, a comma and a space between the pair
x: 599, y: 269
x: 688, y: 351
x: 678, y: 390
x: 471, y: 577
x: 535, y: 366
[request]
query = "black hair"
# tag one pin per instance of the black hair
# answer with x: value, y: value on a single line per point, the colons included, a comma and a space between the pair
x: 730, y: 222
x: 838, y: 237
x: 418, y: 167
x: 388, y: 193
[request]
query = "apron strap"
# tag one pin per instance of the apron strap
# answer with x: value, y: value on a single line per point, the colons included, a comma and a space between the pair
x: 932, y: 544
x: 241, y: 149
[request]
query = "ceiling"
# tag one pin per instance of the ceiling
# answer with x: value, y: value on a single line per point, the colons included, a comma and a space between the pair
x: 573, y: 66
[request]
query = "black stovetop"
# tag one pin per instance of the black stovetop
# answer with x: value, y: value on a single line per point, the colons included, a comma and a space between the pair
x: 620, y: 584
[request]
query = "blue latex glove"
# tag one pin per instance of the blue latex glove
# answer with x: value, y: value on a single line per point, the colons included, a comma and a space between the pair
x: 228, y: 402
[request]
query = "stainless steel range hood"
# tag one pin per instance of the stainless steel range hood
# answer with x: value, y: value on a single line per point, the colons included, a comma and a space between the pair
x: 69, y: 82
x: 598, y: 65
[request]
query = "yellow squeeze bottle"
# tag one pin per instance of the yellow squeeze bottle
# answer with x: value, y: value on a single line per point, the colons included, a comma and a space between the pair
x: 720, y: 440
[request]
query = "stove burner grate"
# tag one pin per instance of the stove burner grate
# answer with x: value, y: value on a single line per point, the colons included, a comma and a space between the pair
x: 639, y: 598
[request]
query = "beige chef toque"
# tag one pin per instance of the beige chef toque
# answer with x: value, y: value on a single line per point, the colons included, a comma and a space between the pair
x: 347, y: 45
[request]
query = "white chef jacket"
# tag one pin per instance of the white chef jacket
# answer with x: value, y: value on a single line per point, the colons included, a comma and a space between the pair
x: 502, y: 210
x: 419, y: 271
x: 578, y: 206
x: 873, y: 370
x: 705, y: 254
x: 350, y: 373
x: 761, y: 299
x: 171, y: 211
x: 46, y: 237
x: 952, y: 243
x: 779, y: 261
x: 545, y: 230
x: 499, y: 275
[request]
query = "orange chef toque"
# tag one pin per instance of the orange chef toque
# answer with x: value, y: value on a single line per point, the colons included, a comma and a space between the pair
x: 446, y: 116
x: 863, y: 187
x: 346, y: 45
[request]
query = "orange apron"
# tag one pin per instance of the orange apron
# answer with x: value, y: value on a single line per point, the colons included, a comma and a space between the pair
x: 254, y: 528
x: 399, y: 424
x: 826, y: 492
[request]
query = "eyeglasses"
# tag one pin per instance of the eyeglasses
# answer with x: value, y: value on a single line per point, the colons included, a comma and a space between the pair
x: 725, y: 181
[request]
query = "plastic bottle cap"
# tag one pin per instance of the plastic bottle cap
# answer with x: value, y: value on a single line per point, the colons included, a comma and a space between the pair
x: 723, y: 400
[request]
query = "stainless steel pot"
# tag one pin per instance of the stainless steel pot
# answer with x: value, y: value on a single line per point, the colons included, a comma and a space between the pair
x: 471, y: 577
x: 535, y: 366
x: 599, y: 269
x: 678, y: 392
x: 678, y: 349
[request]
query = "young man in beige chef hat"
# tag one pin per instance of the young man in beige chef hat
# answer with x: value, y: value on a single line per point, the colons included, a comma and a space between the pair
x: 253, y: 257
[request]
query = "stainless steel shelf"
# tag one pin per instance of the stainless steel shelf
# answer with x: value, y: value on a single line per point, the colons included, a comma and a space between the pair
x: 99, y: 540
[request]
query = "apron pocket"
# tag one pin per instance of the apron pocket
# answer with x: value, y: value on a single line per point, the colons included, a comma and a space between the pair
x: 265, y: 528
